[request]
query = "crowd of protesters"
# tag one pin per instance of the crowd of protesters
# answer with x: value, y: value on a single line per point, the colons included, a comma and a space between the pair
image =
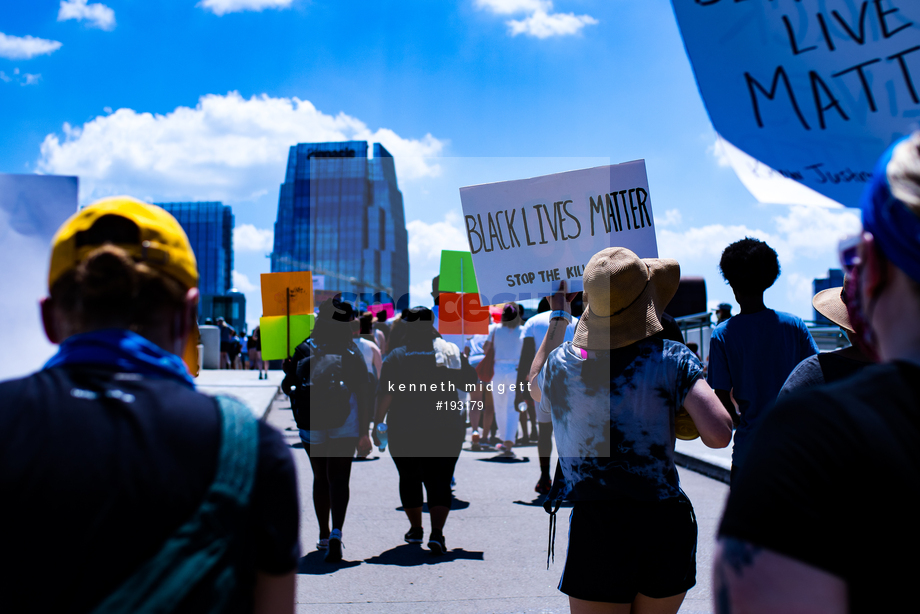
x: 181, y: 502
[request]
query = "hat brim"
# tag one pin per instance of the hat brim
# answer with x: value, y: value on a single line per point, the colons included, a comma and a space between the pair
x: 830, y: 305
x: 640, y: 320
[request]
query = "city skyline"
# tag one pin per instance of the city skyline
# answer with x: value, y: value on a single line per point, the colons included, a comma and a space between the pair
x: 461, y: 93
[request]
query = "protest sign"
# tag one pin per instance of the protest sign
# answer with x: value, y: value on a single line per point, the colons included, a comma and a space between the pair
x: 529, y: 235
x: 277, y: 286
x: 277, y: 337
x: 815, y: 90
x: 32, y: 207
x: 460, y: 310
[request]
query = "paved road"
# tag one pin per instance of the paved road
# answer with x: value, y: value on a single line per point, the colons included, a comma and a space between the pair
x: 496, y: 537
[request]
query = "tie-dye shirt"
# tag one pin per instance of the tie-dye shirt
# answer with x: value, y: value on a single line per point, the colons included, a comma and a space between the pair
x: 613, y: 417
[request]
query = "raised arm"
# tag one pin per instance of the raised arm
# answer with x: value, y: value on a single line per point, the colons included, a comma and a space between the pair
x: 554, y: 338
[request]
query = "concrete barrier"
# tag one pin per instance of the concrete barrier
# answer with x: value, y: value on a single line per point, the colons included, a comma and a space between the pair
x: 210, y: 339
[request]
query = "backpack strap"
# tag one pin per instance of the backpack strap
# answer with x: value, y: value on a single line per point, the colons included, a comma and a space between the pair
x: 200, y: 547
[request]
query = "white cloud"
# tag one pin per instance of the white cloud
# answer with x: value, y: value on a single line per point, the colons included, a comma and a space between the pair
x: 810, y: 232
x: 222, y: 7
x: 28, y: 79
x: 509, y: 7
x: 425, y: 244
x: 225, y: 148
x: 427, y: 240
x: 544, y: 25
x: 96, y: 15
x: 25, y: 47
x: 799, y: 288
x: 706, y: 241
x: 241, y: 282
x: 718, y: 151
x: 248, y: 238
x: 813, y: 231
x: 671, y: 217
x: 540, y: 21
x: 4, y: 77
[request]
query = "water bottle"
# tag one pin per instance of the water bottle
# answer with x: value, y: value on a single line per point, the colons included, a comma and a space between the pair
x: 522, y: 407
x: 382, y: 436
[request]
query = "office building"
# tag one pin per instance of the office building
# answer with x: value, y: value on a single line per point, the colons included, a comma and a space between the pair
x: 340, y: 215
x: 834, y: 279
x: 209, y: 226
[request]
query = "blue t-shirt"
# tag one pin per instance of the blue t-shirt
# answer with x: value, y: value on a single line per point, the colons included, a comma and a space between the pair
x: 752, y: 355
x: 613, y: 417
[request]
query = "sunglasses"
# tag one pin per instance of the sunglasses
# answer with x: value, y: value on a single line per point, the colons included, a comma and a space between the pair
x: 848, y: 252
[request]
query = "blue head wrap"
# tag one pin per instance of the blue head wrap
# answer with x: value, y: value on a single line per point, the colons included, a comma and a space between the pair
x: 895, y: 227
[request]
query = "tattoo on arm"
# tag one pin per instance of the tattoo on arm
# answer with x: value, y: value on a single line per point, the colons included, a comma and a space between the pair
x: 737, y: 556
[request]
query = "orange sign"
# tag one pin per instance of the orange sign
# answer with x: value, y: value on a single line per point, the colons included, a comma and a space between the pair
x: 277, y: 286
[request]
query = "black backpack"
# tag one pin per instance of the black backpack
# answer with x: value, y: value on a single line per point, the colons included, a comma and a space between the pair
x: 324, y: 385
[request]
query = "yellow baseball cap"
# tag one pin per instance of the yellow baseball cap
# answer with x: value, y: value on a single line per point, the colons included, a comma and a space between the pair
x: 155, y: 238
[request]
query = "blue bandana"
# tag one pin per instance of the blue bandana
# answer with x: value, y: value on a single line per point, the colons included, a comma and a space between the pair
x: 120, y: 348
x: 896, y: 229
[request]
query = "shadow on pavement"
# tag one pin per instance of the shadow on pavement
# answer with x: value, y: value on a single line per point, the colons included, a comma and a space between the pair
x: 455, y: 504
x: 411, y: 555
x: 505, y: 459
x: 365, y: 459
x: 538, y: 502
x: 313, y: 564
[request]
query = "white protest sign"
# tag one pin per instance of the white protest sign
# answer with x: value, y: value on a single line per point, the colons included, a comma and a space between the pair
x: 815, y: 89
x: 529, y: 235
x: 768, y: 185
x: 32, y: 207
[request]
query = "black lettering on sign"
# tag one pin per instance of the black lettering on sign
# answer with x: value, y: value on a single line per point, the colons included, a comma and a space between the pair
x: 861, y: 37
x: 543, y: 240
x: 573, y: 218
x: 493, y: 234
x: 780, y: 73
x: 598, y: 207
x: 862, y: 79
x: 526, y: 229
x: 642, y: 198
x: 792, y: 43
x: 905, y: 72
x: 614, y: 211
x: 470, y: 231
x: 833, y: 104
x: 622, y: 194
x: 512, y: 236
x: 882, y: 14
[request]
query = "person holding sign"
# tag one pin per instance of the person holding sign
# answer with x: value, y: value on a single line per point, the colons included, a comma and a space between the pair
x: 170, y: 500
x: 614, y: 392
x: 506, y: 341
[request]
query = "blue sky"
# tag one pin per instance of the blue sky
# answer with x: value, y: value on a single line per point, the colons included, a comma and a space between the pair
x: 184, y: 101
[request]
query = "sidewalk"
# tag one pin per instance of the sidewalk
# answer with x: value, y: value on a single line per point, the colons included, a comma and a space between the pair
x: 244, y: 385
x: 496, y: 537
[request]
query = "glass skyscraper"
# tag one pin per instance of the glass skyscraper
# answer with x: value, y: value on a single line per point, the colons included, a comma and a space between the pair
x: 209, y: 226
x: 340, y: 215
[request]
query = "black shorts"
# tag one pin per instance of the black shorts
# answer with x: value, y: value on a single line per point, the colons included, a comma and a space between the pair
x: 618, y: 549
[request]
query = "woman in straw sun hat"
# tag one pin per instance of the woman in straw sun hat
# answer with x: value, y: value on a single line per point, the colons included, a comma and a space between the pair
x: 828, y: 367
x: 614, y: 393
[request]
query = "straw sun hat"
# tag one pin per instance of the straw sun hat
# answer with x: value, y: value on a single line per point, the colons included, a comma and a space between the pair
x: 626, y: 296
x: 831, y: 304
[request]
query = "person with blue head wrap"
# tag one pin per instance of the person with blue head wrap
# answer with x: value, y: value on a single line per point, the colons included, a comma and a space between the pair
x: 821, y: 519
